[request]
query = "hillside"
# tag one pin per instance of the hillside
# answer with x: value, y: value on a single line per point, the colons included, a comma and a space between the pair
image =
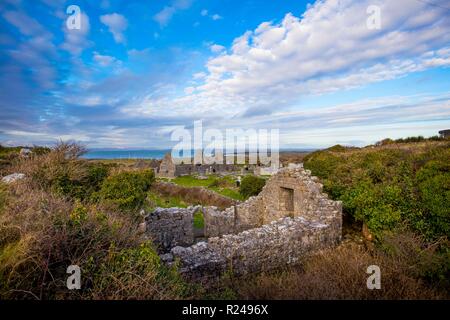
x: 69, y: 210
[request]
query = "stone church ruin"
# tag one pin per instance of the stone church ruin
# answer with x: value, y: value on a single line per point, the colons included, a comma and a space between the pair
x: 289, y: 219
x: 168, y: 168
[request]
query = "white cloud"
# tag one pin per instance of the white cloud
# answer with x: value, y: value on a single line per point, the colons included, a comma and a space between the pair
x: 216, y: 48
x: 189, y: 90
x: 215, y: 17
x: 164, y: 16
x: 329, y: 48
x: 199, y: 75
x: 116, y: 24
x: 104, y: 60
x: 76, y: 39
x: 26, y: 25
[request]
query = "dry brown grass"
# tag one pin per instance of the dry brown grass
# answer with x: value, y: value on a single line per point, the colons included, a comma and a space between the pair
x: 62, y: 161
x: 340, y: 273
x: 42, y: 233
x: 38, y: 240
x: 196, y: 195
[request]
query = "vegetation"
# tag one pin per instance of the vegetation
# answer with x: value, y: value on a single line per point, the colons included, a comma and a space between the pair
x: 388, y: 186
x: 44, y: 229
x: 391, y: 188
x: 199, y: 222
x: 72, y: 211
x: 191, y: 195
x: 225, y: 185
x: 409, y: 140
x: 126, y: 190
x: 251, y: 186
x: 340, y: 273
x: 156, y: 199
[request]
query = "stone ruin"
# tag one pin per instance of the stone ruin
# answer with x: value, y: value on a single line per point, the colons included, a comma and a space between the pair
x: 289, y: 219
x: 168, y: 168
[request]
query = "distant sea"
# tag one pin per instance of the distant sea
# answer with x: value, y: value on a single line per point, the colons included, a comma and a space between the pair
x: 125, y: 154
x: 147, y: 154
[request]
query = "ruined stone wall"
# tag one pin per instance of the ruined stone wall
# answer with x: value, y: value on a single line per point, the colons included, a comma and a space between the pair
x: 218, y: 222
x: 167, y: 167
x: 289, y: 193
x: 289, y: 219
x: 271, y: 246
x: 171, y: 227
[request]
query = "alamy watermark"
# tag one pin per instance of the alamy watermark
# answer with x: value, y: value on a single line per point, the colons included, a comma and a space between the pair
x: 374, y: 280
x: 74, y: 280
x: 373, y: 21
x: 73, y: 22
x: 229, y: 146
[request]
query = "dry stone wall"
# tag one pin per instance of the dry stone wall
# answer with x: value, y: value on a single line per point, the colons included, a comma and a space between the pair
x: 271, y: 246
x: 289, y: 193
x: 218, y: 222
x: 171, y: 227
x: 289, y: 219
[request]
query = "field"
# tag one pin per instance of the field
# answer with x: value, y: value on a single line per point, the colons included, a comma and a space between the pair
x: 73, y: 211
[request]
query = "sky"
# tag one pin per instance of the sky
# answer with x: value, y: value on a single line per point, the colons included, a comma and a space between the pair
x: 134, y: 71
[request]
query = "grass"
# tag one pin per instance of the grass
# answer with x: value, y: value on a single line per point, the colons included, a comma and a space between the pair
x: 194, y: 181
x: 42, y: 232
x: 230, y: 193
x: 340, y: 273
x: 158, y: 200
x: 223, y: 185
x: 199, y: 222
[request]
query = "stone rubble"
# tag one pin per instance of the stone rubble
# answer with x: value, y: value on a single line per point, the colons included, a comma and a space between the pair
x: 13, y: 178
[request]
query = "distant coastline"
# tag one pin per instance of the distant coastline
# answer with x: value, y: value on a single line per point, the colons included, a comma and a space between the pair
x: 144, y: 154
x: 125, y: 154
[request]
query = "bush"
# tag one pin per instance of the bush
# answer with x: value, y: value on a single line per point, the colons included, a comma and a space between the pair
x: 41, y: 234
x: 251, y: 186
x: 60, y: 170
x: 133, y: 273
x: 389, y: 186
x: 126, y: 190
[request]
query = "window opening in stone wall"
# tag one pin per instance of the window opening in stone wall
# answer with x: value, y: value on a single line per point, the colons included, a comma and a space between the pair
x: 287, y: 200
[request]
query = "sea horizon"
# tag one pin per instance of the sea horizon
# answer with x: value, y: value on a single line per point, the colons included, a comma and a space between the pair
x: 109, y: 154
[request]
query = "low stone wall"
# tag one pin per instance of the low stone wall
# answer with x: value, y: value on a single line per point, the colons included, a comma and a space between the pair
x: 218, y: 222
x: 170, y: 227
x: 271, y: 246
x: 289, y: 219
x: 306, y: 200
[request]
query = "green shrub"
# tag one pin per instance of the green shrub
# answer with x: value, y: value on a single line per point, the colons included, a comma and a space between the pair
x: 126, y: 190
x: 132, y: 273
x: 251, y: 186
x: 387, y: 187
x: 41, y: 234
x: 93, y: 176
x: 37, y: 150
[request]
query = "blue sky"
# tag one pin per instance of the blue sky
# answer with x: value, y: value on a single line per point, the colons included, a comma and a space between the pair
x: 137, y: 70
